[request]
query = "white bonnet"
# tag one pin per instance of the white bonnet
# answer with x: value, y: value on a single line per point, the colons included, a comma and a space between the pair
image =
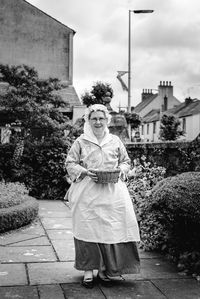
x: 97, y: 107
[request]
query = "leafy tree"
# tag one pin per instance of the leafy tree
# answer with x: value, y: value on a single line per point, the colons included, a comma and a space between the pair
x: 133, y: 119
x: 31, y: 100
x: 97, y: 94
x: 170, y: 128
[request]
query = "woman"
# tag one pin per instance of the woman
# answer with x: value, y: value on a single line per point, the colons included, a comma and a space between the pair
x: 104, y: 223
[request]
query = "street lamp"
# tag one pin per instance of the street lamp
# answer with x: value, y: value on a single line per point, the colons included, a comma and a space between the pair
x: 129, y: 52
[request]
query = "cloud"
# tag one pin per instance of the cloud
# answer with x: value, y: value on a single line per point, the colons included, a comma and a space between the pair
x: 165, y: 44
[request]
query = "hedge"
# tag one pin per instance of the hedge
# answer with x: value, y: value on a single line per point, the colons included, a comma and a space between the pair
x: 19, y: 215
x: 171, y: 220
x: 17, y: 208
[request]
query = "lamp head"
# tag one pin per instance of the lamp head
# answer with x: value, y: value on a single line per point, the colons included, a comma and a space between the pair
x: 143, y: 11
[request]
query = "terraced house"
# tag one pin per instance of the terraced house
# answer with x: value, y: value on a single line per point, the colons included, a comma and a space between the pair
x: 153, y: 105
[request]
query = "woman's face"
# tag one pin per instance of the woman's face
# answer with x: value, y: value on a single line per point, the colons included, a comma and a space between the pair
x: 98, y: 122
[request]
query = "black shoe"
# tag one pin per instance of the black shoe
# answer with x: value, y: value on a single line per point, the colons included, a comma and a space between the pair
x: 106, y: 282
x: 88, y: 283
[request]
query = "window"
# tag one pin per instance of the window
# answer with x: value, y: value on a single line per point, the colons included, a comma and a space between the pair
x: 165, y: 103
x: 142, y: 129
x: 154, y: 127
x: 147, y: 129
x: 184, y: 124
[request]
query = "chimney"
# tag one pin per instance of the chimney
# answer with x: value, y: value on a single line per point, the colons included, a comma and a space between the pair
x: 146, y: 93
x: 165, y: 89
x: 188, y: 101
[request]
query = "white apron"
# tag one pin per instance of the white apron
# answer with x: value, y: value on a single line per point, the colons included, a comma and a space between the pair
x: 101, y: 213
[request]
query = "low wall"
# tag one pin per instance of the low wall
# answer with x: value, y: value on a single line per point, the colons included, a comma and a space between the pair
x: 176, y: 157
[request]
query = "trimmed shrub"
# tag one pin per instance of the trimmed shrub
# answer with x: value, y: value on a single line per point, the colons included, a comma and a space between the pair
x: 12, y: 194
x: 171, y: 220
x: 18, y: 209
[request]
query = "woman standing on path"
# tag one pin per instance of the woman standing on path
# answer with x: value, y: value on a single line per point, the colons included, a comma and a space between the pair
x: 104, y: 224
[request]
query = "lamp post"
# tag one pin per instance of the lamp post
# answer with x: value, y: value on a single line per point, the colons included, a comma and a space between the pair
x: 129, y: 52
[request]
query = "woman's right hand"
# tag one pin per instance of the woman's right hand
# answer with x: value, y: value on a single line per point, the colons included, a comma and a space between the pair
x: 91, y: 173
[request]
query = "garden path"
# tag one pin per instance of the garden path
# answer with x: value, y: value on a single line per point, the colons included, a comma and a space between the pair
x: 37, y: 263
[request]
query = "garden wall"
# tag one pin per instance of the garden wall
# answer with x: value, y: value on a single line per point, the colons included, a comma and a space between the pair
x: 176, y: 157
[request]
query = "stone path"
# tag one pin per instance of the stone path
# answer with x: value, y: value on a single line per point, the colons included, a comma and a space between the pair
x: 36, y: 262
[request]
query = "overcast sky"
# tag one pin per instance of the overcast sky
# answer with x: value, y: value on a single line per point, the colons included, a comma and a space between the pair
x: 165, y: 44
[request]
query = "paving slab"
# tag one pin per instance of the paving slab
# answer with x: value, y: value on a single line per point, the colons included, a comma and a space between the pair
x: 63, y: 234
x: 52, y: 205
x: 64, y: 249
x: 53, y: 273
x: 27, y: 254
x: 19, y: 292
x: 55, y: 214
x: 51, y: 292
x: 149, y: 255
x: 28, y: 232
x: 133, y: 290
x: 36, y: 241
x: 12, y: 274
x: 76, y: 291
x: 34, y: 229
x: 8, y: 239
x: 154, y: 268
x: 158, y: 268
x: 57, y: 223
x: 179, y: 288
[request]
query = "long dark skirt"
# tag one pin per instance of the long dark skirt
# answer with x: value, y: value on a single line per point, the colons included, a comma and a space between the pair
x: 114, y: 259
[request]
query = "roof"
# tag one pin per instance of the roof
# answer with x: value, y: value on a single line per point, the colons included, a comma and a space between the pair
x: 49, y: 16
x: 191, y: 107
x: 69, y: 95
x: 144, y: 103
x: 153, y: 115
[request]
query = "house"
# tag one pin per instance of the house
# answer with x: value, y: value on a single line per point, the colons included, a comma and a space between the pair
x: 149, y: 110
x: 30, y: 36
x: 163, y: 100
x: 188, y: 113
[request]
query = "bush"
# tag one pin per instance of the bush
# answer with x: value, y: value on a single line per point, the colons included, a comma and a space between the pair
x: 141, y: 179
x: 171, y: 220
x: 41, y: 169
x: 17, y: 208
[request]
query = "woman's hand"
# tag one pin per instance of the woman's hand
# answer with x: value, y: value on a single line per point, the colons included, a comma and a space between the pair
x: 91, y: 173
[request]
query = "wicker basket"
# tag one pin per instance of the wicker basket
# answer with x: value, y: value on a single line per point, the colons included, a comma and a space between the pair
x: 107, y: 176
